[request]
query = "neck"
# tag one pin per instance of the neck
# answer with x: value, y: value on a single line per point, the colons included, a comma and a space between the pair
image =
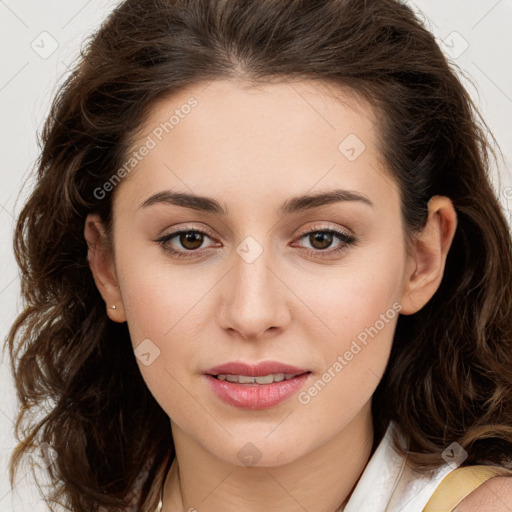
x: 322, y: 479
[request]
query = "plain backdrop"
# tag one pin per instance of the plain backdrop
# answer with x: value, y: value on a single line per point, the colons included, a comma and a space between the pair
x: 39, y: 40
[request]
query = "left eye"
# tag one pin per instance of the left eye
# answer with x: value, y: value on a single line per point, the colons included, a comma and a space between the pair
x: 192, y: 239
x: 324, y: 237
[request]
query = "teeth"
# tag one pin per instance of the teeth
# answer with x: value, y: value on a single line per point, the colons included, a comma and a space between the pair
x: 264, y: 379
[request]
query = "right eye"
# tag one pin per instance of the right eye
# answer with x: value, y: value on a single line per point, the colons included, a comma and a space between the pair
x: 190, y: 239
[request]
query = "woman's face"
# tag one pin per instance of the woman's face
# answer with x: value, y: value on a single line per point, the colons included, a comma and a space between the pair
x: 263, y: 276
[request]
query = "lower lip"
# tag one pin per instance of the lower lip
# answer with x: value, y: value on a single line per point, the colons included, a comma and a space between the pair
x: 256, y: 396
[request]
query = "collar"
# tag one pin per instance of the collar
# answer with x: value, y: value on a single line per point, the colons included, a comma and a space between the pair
x: 389, y: 483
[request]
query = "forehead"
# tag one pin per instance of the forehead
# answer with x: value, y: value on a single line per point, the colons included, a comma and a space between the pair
x: 221, y: 134
x: 226, y: 103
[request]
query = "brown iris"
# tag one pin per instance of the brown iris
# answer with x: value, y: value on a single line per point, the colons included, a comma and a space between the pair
x: 324, y: 238
x: 191, y: 237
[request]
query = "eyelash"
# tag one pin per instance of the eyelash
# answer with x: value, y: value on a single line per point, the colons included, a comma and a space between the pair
x: 346, y: 239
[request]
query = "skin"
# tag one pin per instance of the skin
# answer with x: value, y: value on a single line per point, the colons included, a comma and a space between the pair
x: 493, y: 495
x: 252, y: 148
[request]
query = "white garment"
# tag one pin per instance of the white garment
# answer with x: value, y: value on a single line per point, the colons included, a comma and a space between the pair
x: 389, y: 485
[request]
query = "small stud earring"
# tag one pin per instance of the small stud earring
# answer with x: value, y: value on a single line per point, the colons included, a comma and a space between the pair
x: 113, y: 306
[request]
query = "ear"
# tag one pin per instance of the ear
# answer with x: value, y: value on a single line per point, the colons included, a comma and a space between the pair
x: 101, y: 262
x: 425, y: 266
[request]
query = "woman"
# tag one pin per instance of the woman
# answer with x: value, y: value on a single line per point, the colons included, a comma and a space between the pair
x: 264, y: 267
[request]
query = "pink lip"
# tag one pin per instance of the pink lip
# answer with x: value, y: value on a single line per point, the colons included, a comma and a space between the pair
x: 256, y: 370
x: 255, y: 396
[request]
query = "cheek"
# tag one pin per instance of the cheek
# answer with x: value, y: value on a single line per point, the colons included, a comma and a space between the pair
x: 354, y: 330
x: 159, y: 296
x: 354, y: 297
x: 165, y: 308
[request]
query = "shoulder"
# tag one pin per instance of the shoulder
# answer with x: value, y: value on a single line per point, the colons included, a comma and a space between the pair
x: 494, y: 495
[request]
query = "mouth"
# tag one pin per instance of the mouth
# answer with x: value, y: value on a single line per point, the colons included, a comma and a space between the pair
x: 259, y: 373
x: 257, y: 379
x: 256, y: 385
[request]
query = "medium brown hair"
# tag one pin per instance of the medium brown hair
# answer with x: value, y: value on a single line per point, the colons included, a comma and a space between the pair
x: 449, y: 376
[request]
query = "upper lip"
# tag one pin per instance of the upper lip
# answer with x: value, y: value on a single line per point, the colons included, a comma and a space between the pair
x: 255, y: 370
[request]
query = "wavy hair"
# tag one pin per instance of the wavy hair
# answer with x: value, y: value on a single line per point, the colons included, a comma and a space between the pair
x: 449, y: 376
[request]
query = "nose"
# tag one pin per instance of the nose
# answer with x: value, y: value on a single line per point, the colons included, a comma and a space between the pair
x: 254, y: 299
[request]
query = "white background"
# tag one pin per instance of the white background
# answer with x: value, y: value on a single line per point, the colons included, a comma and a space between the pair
x: 29, y: 78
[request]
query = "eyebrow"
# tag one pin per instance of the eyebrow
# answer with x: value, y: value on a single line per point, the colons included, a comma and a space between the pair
x: 290, y: 206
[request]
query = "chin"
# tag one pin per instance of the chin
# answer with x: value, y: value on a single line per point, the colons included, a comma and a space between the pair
x: 260, y: 452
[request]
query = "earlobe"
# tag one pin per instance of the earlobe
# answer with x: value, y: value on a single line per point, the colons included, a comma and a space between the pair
x: 425, y: 266
x: 101, y: 263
